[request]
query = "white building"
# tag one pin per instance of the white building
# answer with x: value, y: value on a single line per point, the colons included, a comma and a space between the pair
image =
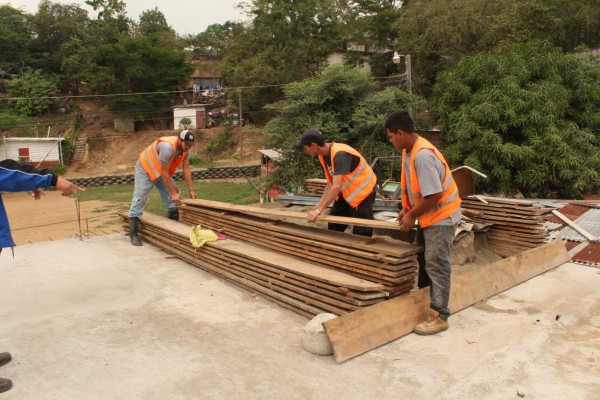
x: 195, y: 112
x: 40, y: 152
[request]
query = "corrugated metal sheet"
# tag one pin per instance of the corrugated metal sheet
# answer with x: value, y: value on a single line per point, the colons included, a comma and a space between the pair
x: 589, y: 255
x: 571, y: 211
x: 589, y: 221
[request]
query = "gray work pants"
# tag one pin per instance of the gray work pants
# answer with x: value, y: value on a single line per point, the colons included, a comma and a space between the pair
x: 437, y: 240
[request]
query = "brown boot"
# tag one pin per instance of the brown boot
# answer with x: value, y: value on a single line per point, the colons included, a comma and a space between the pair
x: 5, y: 358
x: 432, y: 325
x: 5, y: 385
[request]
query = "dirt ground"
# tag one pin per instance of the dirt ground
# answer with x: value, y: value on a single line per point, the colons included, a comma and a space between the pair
x: 55, y: 217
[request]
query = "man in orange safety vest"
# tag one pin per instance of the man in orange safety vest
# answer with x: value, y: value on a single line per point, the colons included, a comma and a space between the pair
x: 430, y: 195
x: 155, y: 167
x: 351, y: 183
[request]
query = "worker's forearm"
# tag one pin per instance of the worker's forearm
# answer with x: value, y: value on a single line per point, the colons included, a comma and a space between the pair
x: 328, y: 197
x: 187, y: 177
x: 169, y: 183
x: 425, y: 206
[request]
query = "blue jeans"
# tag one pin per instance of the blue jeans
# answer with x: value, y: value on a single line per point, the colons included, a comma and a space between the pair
x: 142, y: 187
x: 437, y: 240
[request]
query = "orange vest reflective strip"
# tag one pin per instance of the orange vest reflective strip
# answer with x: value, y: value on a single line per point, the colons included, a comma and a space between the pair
x: 450, y: 200
x: 151, y: 163
x: 356, y: 185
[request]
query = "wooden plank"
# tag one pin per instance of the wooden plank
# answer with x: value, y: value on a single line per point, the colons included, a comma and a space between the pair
x: 578, y: 228
x: 360, y: 331
x: 271, y: 213
x: 313, y: 238
x: 285, y: 262
x: 369, y: 245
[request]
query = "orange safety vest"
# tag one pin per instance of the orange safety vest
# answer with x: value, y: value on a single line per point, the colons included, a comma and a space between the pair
x: 356, y: 185
x: 450, y: 200
x: 151, y: 163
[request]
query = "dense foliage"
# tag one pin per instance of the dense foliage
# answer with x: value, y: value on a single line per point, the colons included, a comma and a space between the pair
x: 342, y: 102
x: 528, y: 117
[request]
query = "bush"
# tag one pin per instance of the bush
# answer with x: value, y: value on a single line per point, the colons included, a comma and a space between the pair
x: 220, y: 143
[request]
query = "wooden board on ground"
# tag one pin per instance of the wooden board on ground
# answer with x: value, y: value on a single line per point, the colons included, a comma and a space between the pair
x: 360, y: 331
x: 371, y: 223
x: 284, y: 262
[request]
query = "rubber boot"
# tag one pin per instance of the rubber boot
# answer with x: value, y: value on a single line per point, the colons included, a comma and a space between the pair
x: 5, y: 384
x: 133, y: 231
x: 173, y: 214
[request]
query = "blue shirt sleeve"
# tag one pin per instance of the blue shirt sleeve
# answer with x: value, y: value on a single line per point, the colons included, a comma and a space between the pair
x: 19, y: 181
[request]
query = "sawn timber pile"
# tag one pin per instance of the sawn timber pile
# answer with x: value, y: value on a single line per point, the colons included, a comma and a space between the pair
x: 518, y: 225
x: 305, y: 288
x: 391, y: 264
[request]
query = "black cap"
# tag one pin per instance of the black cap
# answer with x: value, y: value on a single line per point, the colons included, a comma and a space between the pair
x: 308, y: 137
x: 188, y: 137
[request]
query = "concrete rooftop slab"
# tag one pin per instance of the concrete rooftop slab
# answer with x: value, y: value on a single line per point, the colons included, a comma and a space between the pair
x: 101, y: 319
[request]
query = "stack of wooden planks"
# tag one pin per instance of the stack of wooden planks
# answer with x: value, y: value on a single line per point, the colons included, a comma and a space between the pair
x: 315, y: 186
x: 518, y: 225
x: 392, y: 264
x: 303, y: 287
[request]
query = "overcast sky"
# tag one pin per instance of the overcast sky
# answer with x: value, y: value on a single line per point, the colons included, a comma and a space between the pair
x: 185, y: 16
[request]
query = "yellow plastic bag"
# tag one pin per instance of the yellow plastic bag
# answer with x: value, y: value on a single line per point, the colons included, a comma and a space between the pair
x: 199, y: 236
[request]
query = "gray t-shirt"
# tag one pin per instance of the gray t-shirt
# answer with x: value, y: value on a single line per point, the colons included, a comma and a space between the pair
x: 165, y: 152
x: 431, y: 173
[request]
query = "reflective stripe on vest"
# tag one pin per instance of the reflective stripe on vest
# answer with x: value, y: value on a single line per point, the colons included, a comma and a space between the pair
x: 151, y: 163
x: 356, y: 185
x: 450, y: 200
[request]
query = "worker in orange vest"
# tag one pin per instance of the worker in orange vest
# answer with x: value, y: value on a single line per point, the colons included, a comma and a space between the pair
x: 155, y: 167
x: 429, y: 195
x: 350, y: 181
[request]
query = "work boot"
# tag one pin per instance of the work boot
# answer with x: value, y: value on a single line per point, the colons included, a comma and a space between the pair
x: 5, y: 358
x: 133, y: 231
x: 5, y: 384
x: 432, y: 325
x: 173, y: 214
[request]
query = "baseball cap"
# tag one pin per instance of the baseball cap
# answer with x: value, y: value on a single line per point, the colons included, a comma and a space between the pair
x: 308, y: 137
x: 187, y: 136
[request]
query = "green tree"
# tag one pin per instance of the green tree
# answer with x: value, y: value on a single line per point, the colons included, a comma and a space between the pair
x: 107, y: 9
x: 213, y: 41
x: 286, y: 41
x: 33, y: 92
x: 528, y: 117
x: 15, y: 39
x: 438, y: 33
x: 342, y: 103
x: 54, y: 25
x: 145, y: 71
x: 154, y: 22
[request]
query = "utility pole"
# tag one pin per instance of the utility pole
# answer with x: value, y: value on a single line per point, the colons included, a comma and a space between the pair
x: 240, y: 125
x: 396, y: 60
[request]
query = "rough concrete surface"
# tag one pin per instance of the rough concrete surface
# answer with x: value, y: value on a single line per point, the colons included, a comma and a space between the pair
x: 101, y: 319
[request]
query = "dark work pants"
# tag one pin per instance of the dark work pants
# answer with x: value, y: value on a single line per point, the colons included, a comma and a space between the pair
x: 341, y: 208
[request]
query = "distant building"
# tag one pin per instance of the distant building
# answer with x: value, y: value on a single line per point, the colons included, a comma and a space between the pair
x: 202, y: 80
x: 359, y: 53
x: 40, y: 152
x: 195, y: 112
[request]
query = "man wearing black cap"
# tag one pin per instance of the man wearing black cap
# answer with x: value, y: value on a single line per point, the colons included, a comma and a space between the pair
x: 350, y: 181
x: 155, y: 167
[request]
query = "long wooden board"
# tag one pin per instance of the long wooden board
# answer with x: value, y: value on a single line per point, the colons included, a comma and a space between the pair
x: 357, y: 332
x: 371, y: 223
x: 291, y: 264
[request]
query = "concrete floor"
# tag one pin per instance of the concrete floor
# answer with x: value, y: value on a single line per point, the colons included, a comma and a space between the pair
x: 100, y: 319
